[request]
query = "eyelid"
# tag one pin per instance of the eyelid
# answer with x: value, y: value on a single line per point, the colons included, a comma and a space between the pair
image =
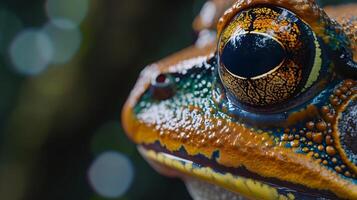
x: 308, y: 11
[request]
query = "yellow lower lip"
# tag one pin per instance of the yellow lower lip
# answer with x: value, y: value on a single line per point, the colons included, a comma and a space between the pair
x: 244, y: 186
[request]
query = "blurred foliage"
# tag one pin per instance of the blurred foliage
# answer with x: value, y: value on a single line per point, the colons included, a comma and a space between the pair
x: 53, y: 125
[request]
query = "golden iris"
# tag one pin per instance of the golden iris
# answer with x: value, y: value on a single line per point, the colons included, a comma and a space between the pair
x: 267, y: 55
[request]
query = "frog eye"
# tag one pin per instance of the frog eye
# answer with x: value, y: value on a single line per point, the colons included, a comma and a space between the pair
x: 268, y: 55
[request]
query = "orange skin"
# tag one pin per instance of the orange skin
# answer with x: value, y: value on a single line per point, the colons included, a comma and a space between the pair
x: 238, y: 145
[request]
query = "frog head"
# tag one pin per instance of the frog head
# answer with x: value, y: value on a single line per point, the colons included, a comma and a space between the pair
x: 267, y: 110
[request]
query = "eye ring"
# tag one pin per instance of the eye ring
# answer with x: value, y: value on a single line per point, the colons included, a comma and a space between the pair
x: 292, y: 66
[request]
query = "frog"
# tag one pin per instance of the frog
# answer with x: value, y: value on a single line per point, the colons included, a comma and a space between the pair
x: 262, y: 106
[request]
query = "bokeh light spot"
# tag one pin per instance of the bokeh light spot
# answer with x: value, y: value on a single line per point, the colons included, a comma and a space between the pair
x: 111, y: 174
x: 31, y: 51
x: 66, y: 41
x: 73, y: 10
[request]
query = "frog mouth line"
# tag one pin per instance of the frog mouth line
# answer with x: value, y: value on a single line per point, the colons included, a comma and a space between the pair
x: 238, y: 180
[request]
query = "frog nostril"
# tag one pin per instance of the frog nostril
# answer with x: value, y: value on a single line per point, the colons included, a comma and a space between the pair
x: 161, y: 87
x: 161, y: 78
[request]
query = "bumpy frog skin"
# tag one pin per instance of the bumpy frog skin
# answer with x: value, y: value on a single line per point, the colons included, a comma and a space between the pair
x: 285, y: 128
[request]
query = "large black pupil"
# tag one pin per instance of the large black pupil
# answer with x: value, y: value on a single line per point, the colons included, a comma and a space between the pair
x: 251, y: 54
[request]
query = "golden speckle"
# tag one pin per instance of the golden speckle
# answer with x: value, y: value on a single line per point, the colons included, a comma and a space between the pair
x: 348, y: 83
x: 295, y: 143
x: 330, y: 117
x: 316, y: 155
x: 330, y: 150
x: 334, y: 160
x: 320, y: 147
x: 291, y: 137
x: 325, y: 109
x: 344, y: 89
x: 338, y: 169
x: 317, y: 138
x: 348, y: 174
x: 329, y: 140
x: 343, y: 97
x: 305, y: 149
x: 310, y: 125
x: 338, y: 92
x: 309, y: 135
x: 285, y: 137
x: 335, y: 101
x: 321, y: 126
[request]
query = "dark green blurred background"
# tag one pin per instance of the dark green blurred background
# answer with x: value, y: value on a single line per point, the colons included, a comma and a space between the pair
x: 66, y: 68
